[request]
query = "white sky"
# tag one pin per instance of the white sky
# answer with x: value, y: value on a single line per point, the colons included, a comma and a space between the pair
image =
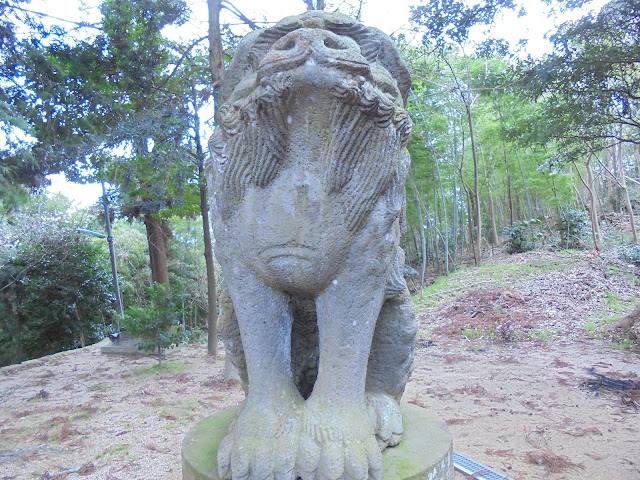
x: 390, y: 16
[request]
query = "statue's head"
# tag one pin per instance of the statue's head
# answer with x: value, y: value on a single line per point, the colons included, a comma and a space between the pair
x: 353, y: 81
x: 332, y: 39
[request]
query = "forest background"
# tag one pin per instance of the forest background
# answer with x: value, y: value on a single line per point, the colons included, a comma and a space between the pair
x: 509, y: 152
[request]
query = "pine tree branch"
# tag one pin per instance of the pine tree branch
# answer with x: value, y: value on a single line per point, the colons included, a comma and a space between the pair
x: 42, y: 14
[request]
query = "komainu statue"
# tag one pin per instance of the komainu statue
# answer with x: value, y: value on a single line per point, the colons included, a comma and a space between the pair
x: 307, y: 177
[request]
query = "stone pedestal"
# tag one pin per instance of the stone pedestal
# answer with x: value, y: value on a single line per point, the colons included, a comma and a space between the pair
x: 426, y: 450
x: 127, y: 345
x: 123, y: 345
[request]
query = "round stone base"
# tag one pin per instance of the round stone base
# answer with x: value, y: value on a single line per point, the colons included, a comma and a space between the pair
x: 426, y: 450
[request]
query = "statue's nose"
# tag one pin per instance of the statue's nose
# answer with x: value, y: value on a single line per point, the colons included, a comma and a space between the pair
x: 320, y: 40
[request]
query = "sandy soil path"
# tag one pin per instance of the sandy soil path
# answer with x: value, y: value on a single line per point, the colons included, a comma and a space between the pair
x: 522, y: 408
x: 503, y: 357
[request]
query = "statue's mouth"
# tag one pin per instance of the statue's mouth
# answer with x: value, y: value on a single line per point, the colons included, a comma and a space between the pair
x: 288, y: 250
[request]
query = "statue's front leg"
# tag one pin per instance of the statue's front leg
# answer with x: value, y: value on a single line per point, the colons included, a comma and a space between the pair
x: 338, y: 440
x: 263, y: 440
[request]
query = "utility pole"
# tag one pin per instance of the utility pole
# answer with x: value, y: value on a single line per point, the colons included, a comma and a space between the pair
x: 112, y: 254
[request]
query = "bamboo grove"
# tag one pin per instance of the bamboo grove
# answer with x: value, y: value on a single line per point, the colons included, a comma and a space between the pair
x: 503, y: 147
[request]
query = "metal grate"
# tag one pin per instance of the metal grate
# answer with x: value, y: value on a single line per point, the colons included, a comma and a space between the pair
x: 475, y: 469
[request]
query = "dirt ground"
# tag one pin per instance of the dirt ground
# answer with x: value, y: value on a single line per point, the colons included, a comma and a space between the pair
x: 506, y: 366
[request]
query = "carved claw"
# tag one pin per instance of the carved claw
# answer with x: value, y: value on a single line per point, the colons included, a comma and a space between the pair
x: 356, y: 463
x: 308, y: 458
x: 338, y: 445
x: 261, y: 445
x: 239, y: 464
x: 384, y: 414
x: 285, y: 475
x: 375, y: 462
x: 331, y: 464
x: 224, y: 458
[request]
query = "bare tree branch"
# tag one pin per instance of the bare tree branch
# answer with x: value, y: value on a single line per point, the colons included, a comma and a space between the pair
x: 233, y: 9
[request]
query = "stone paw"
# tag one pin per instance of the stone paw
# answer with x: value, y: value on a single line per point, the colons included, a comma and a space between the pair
x: 384, y: 414
x: 338, y: 443
x: 261, y: 445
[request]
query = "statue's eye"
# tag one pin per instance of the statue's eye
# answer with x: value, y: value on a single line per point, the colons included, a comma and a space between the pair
x: 289, y: 45
x: 333, y: 44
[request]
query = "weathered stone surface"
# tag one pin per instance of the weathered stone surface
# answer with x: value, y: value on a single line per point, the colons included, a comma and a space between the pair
x: 127, y: 345
x: 307, y: 173
x: 424, y: 453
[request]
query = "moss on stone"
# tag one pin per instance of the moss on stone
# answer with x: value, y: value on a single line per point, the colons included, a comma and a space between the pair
x: 425, y: 452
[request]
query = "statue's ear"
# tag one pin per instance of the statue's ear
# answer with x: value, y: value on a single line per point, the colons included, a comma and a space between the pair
x: 240, y: 65
x: 370, y: 50
x: 254, y: 57
x: 367, y: 40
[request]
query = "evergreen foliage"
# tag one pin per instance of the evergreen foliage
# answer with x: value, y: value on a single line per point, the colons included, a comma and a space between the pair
x: 629, y: 253
x: 520, y: 238
x: 573, y: 226
x: 589, y: 85
x: 55, y: 286
x: 158, y: 322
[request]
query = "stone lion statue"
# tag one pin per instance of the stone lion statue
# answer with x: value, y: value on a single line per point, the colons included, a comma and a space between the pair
x: 307, y: 176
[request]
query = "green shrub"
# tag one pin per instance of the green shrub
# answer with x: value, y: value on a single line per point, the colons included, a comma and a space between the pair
x: 157, y: 324
x: 56, y: 292
x: 521, y: 236
x: 573, y: 227
x: 629, y: 253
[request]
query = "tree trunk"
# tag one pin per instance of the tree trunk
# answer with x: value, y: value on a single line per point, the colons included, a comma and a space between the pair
x: 595, y: 230
x: 216, y: 65
x: 157, y: 238
x: 216, y: 59
x: 434, y: 230
x: 318, y: 6
x: 446, y: 221
x: 212, y: 301
x: 471, y: 245
x: 476, y: 188
x: 608, y: 184
x: 594, y: 201
x: 524, y: 185
x: 509, y: 194
x: 526, y: 193
x: 454, y: 222
x: 579, y: 201
x: 492, y: 219
x: 616, y: 160
x: 81, y: 335
x: 423, y: 241
x: 468, y: 99
x: 492, y: 213
x: 470, y: 210
x: 625, y: 192
x: 463, y: 218
x: 477, y: 218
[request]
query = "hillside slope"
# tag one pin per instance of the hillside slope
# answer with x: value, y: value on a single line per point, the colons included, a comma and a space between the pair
x: 503, y: 356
